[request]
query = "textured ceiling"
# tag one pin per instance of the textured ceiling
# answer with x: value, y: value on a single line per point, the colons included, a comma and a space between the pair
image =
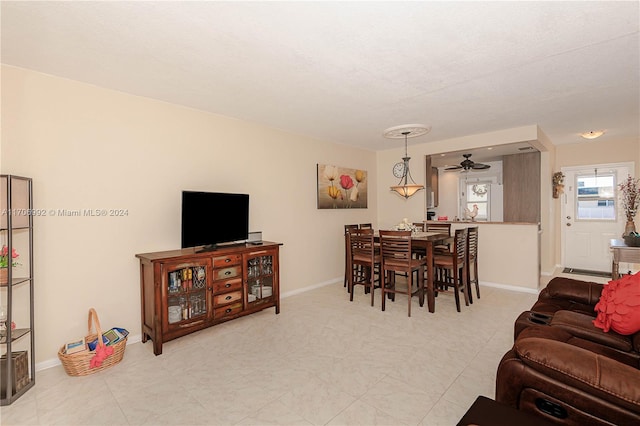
x: 345, y: 71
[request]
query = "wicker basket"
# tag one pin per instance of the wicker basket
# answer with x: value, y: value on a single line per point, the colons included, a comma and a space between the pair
x: 78, y: 364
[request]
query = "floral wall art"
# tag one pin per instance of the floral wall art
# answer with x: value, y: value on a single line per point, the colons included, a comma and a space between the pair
x: 341, y: 187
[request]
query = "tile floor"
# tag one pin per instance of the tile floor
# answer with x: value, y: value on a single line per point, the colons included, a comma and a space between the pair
x: 322, y: 361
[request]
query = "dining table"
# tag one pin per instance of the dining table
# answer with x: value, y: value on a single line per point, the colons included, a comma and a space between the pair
x: 425, y: 241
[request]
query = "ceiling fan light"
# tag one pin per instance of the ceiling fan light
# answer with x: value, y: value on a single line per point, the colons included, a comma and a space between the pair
x: 467, y: 164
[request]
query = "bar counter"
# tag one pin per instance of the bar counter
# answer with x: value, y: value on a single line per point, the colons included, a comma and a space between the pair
x: 508, y: 253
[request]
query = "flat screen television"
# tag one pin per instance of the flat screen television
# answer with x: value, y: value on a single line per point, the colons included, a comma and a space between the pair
x: 212, y: 218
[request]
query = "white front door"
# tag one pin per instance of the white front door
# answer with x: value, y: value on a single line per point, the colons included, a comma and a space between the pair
x: 591, y: 214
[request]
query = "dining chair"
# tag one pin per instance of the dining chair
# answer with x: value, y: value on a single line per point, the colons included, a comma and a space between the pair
x: 420, y: 226
x: 366, y: 226
x: 451, y: 268
x: 364, y: 261
x: 395, y: 250
x: 444, y: 228
x: 347, y: 229
x: 472, y: 262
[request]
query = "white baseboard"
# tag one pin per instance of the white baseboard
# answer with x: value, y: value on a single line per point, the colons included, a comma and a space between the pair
x: 510, y: 287
x: 311, y: 287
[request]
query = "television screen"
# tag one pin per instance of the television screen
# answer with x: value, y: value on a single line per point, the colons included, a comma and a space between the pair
x: 210, y: 218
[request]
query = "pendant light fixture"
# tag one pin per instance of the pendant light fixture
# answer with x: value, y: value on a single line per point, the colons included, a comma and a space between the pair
x: 407, y: 187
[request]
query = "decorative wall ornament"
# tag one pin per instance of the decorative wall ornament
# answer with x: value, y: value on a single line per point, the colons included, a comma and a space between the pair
x: 341, y: 187
x: 480, y: 189
x: 558, y: 186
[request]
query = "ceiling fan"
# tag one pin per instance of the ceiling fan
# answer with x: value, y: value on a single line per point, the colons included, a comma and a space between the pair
x: 467, y: 165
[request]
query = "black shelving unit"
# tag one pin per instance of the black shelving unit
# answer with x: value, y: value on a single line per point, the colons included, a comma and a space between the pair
x: 16, y: 290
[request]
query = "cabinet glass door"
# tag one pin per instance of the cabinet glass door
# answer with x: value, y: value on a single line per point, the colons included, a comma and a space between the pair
x: 260, y: 278
x: 186, y: 289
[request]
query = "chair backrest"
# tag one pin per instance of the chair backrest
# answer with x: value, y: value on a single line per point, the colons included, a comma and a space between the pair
x: 348, y: 228
x: 365, y: 226
x: 472, y: 243
x: 460, y: 241
x: 361, y: 244
x: 444, y: 228
x: 395, y: 246
x: 419, y: 225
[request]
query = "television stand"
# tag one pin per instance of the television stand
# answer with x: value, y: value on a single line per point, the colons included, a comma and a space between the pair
x: 183, y: 291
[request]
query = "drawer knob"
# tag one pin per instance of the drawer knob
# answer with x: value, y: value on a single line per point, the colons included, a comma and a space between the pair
x: 227, y: 310
x: 228, y: 298
x: 227, y: 273
x: 227, y: 260
x: 227, y: 285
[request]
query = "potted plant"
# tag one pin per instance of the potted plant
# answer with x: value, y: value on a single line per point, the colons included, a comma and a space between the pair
x: 5, y: 260
x: 630, y: 197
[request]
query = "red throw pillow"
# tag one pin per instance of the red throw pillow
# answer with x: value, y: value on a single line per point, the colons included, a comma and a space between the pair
x: 619, y: 306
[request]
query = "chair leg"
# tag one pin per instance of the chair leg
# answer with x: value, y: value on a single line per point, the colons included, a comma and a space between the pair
x: 409, y: 288
x: 468, y: 286
x: 383, y: 286
x: 347, y: 269
x: 456, y: 291
x: 376, y: 272
x: 350, y: 283
x: 475, y: 278
x: 465, y: 283
x: 421, y: 286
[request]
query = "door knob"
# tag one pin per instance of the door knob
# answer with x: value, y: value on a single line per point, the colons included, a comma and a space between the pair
x: 568, y: 224
x: 568, y: 217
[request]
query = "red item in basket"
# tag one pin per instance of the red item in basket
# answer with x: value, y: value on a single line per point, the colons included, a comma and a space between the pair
x: 102, y: 352
x: 443, y: 217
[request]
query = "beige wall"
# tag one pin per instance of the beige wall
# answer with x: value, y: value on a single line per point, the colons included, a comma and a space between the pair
x: 87, y: 147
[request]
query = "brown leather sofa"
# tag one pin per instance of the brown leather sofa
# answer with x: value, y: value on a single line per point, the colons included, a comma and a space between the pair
x: 565, y: 369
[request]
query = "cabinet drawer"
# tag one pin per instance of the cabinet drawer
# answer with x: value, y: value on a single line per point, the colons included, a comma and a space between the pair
x: 227, y: 285
x: 227, y: 310
x: 231, y: 259
x: 224, y: 273
x: 223, y: 299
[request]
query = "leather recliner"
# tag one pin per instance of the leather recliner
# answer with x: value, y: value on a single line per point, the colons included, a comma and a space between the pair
x: 567, y: 370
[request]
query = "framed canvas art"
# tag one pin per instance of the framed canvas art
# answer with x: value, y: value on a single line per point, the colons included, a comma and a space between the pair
x: 341, y: 187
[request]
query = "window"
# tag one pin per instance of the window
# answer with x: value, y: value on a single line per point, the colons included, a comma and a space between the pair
x: 478, y: 196
x: 596, y: 196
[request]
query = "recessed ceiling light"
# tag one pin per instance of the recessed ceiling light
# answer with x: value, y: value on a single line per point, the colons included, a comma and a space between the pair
x: 490, y: 148
x: 592, y: 134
